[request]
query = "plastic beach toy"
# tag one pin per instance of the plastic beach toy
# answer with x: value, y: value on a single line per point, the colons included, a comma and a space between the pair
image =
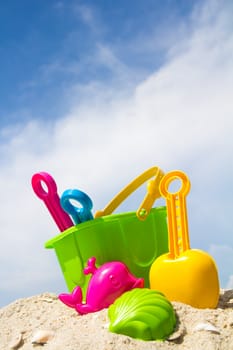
x: 126, y: 237
x: 79, y: 214
x: 49, y: 195
x: 148, y: 201
x: 186, y: 275
x: 107, y: 283
x: 143, y: 314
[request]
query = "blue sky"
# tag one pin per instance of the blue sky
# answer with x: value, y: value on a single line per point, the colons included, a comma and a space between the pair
x: 48, y: 47
x: 96, y: 92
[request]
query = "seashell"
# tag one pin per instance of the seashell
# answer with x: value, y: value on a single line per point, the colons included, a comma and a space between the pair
x: 47, y: 300
x: 142, y: 313
x: 16, y: 341
x: 42, y: 336
x: 206, y: 327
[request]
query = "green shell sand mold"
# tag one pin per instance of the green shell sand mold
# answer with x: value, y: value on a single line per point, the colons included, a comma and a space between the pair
x: 142, y: 313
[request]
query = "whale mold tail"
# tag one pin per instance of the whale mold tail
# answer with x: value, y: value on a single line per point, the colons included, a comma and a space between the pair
x: 73, y: 298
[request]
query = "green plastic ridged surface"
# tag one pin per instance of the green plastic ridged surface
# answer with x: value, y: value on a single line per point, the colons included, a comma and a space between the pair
x: 142, y: 313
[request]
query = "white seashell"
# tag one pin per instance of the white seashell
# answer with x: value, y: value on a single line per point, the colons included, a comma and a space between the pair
x: 16, y: 341
x: 42, y: 336
x: 206, y: 327
x: 47, y: 300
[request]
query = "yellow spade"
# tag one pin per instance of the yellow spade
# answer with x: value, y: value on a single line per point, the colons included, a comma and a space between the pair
x: 183, y: 274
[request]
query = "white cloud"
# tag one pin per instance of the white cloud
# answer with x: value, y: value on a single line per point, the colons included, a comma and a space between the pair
x: 230, y: 283
x: 223, y: 256
x: 179, y: 117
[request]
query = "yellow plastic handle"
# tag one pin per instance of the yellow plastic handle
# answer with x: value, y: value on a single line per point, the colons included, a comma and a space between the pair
x: 152, y: 193
x: 176, y: 212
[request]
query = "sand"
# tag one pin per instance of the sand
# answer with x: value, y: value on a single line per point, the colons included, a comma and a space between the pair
x: 64, y: 328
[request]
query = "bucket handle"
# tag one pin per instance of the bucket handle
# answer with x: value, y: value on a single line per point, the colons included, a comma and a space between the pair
x: 152, y: 193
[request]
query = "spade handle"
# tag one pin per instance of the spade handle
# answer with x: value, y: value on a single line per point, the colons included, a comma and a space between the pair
x: 176, y: 212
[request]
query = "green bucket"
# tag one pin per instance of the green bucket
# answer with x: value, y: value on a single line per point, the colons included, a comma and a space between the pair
x: 134, y: 238
x: 116, y: 237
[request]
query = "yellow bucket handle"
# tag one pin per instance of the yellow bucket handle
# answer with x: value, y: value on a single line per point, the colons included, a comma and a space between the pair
x: 152, y: 193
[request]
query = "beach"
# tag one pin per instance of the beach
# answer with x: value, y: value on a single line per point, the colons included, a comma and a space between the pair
x: 44, y: 322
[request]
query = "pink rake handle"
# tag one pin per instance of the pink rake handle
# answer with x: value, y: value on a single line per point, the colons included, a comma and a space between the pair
x: 51, y: 199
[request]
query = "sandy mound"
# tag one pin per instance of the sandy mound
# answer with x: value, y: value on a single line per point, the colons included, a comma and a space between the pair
x: 65, y: 329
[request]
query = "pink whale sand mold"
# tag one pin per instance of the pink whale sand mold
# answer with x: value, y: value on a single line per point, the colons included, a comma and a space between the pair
x: 108, y: 282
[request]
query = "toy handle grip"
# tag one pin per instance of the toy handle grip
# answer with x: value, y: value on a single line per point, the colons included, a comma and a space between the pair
x: 152, y: 193
x: 51, y: 199
x: 176, y: 212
